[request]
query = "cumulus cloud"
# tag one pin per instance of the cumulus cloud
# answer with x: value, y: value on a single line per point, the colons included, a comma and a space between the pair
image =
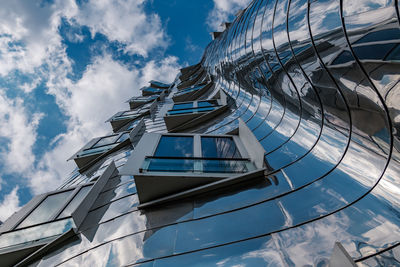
x: 124, y: 21
x: 10, y: 204
x: 18, y: 131
x: 223, y: 11
x: 100, y: 93
x: 31, y: 45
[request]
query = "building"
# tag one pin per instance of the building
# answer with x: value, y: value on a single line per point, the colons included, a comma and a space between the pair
x: 280, y: 148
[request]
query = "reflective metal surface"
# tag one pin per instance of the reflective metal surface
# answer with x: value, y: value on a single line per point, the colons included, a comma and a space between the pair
x: 318, y: 84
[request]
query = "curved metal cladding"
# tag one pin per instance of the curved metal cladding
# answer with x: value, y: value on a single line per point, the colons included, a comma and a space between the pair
x: 318, y: 84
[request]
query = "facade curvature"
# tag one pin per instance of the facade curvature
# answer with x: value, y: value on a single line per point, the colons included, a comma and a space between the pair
x: 281, y: 142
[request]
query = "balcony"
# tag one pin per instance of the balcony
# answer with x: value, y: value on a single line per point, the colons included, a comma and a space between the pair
x: 147, y: 91
x: 123, y: 118
x: 172, y: 163
x: 139, y: 101
x: 161, y: 85
x: 191, y: 93
x: 196, y: 165
x: 97, y: 148
x: 189, y: 114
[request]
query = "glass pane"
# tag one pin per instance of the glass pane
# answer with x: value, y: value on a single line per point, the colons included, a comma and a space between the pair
x: 219, y: 147
x: 197, y: 165
x: 209, y: 103
x: 105, y: 141
x: 169, y: 165
x: 182, y: 111
x: 133, y: 124
x: 75, y: 202
x: 123, y: 137
x: 204, y: 109
x: 183, y: 106
x: 226, y: 166
x: 191, y: 110
x: 46, y: 209
x: 98, y: 150
x: 129, y: 112
x: 36, y: 233
x: 175, y: 146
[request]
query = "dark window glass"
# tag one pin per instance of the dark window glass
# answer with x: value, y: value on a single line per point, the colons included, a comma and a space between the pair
x: 130, y: 112
x: 105, y: 141
x: 171, y: 165
x: 133, y: 124
x: 96, y: 150
x: 123, y: 137
x: 209, y: 103
x: 383, y: 35
x: 182, y: 111
x: 75, y: 202
x: 183, y: 106
x: 46, y: 209
x: 175, y: 146
x: 219, y: 147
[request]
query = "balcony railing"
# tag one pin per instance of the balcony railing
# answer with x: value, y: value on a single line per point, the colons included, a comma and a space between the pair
x: 191, y: 110
x: 197, y: 165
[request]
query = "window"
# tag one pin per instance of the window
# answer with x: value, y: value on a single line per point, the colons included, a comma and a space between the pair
x: 131, y: 114
x: 151, y: 91
x: 189, y: 89
x: 193, y: 107
x: 104, y: 144
x: 57, y: 205
x: 171, y: 154
x: 202, y: 154
x: 45, y: 211
x: 175, y: 146
x: 50, y: 218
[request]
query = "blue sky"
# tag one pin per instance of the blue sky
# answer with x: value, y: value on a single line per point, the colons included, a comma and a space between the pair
x: 67, y: 65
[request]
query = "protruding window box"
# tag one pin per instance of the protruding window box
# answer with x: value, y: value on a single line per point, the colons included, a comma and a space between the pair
x: 161, y: 85
x: 171, y: 163
x: 192, y: 79
x: 189, y: 70
x: 196, y: 165
x: 191, y: 93
x: 122, y: 118
x: 147, y: 91
x: 99, y: 147
x: 189, y: 114
x: 139, y: 101
x: 47, y: 218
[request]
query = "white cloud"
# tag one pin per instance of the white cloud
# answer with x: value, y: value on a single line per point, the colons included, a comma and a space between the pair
x: 124, y: 21
x: 10, y: 204
x: 18, y: 128
x: 30, y: 44
x: 100, y: 93
x: 223, y: 11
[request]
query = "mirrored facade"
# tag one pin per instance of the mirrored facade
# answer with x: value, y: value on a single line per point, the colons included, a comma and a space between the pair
x: 311, y: 96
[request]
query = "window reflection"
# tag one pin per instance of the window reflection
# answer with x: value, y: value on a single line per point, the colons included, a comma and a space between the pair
x: 46, y: 210
x: 175, y: 146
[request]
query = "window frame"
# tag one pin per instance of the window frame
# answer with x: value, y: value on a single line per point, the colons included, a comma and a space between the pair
x: 91, y: 145
x: 195, y: 107
x: 75, y: 190
x: 197, y: 151
x: 197, y: 143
